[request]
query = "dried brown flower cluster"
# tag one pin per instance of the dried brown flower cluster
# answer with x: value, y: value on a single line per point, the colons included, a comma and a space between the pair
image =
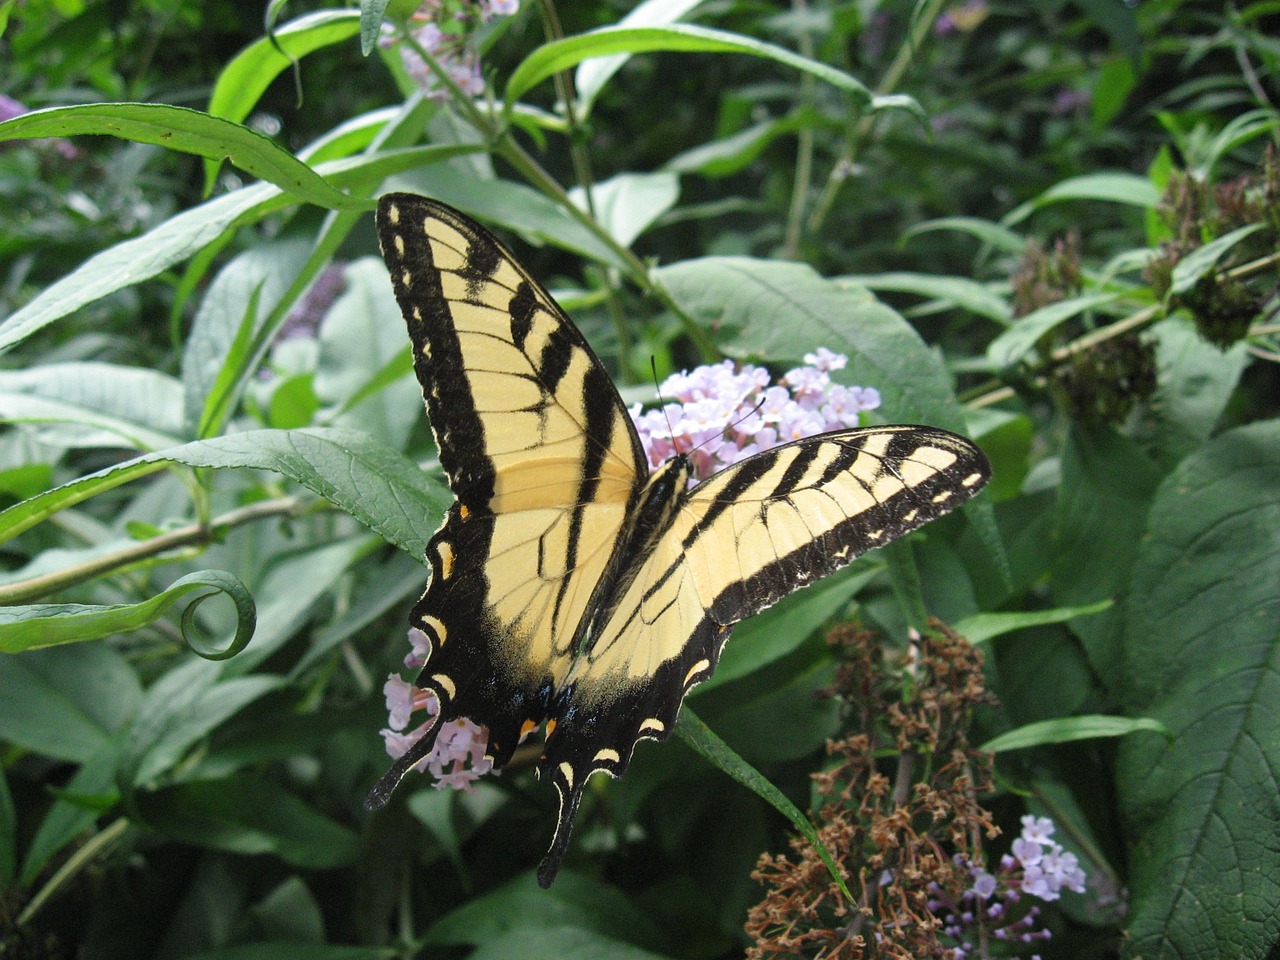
x: 1103, y: 384
x: 900, y: 832
x: 1197, y: 212
x: 1044, y: 277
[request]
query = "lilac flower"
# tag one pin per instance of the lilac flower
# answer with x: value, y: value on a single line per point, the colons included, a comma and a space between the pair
x: 443, y: 29
x: 725, y: 413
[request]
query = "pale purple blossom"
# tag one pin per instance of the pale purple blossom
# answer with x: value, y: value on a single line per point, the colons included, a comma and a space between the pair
x: 450, y: 47
x: 722, y: 413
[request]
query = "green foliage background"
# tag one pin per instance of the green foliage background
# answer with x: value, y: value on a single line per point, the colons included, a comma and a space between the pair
x: 196, y: 455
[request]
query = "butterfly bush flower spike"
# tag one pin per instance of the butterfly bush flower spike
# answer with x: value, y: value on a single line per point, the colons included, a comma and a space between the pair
x: 457, y: 760
x: 443, y: 28
x: 723, y: 413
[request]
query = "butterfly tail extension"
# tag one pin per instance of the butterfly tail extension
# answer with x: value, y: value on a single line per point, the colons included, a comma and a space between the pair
x: 569, y: 785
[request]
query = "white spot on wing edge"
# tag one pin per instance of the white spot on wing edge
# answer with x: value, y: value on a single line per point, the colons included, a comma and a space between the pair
x: 697, y: 668
x: 566, y: 771
x: 436, y: 626
x: 654, y: 724
x: 607, y: 756
x: 445, y: 683
x: 393, y: 214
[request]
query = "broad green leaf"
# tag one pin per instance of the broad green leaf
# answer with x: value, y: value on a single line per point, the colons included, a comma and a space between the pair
x: 249, y: 73
x: 1194, y: 383
x: 1202, y: 260
x: 1201, y: 653
x: 189, y: 131
x: 60, y: 424
x: 35, y: 626
x: 124, y: 400
x: 375, y: 484
x: 371, y: 16
x: 557, y: 943
x: 276, y: 950
x: 71, y: 816
x: 778, y: 311
x: 66, y: 703
x: 362, y: 335
x: 1067, y: 729
x: 8, y: 834
x: 628, y: 204
x: 961, y: 292
x: 1106, y: 489
x: 592, y: 75
x: 219, y: 348
x: 247, y: 816
x: 185, y: 234
x: 1123, y: 188
x: 1015, y: 343
x: 786, y: 721
x: 993, y: 234
x: 513, y: 206
x: 451, y: 817
x: 551, y: 58
x: 982, y: 627
x: 715, y: 751
x: 181, y: 708
x: 521, y: 905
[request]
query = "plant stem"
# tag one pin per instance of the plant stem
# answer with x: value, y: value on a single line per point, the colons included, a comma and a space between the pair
x: 77, y: 862
x: 194, y: 534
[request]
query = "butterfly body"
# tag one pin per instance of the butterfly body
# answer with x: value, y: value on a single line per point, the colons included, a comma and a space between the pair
x: 568, y: 584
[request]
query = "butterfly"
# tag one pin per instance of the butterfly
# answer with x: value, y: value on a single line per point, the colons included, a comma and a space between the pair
x: 570, y: 586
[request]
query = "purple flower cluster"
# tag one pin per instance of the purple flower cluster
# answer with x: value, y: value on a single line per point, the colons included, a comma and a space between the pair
x: 1037, y: 867
x: 457, y: 759
x: 718, y: 415
x: 442, y: 28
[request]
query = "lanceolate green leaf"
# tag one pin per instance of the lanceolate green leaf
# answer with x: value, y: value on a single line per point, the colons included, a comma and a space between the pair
x: 377, y: 485
x: 1016, y: 342
x: 190, y: 131
x: 982, y: 627
x: 245, y: 79
x: 1201, y: 653
x: 187, y: 233
x: 705, y: 742
x: 50, y: 624
x: 1202, y: 260
x: 551, y: 58
x: 1123, y: 188
x: 1066, y: 729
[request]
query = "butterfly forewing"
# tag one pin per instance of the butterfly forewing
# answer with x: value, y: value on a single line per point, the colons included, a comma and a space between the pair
x: 537, y: 448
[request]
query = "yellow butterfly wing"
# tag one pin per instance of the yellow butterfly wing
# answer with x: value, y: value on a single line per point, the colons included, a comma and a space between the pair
x: 540, y: 453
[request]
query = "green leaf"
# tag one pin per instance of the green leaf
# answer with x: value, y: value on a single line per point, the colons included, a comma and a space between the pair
x: 558, y: 55
x: 189, y: 131
x: 961, y: 292
x: 74, y: 426
x: 66, y: 703
x: 592, y: 75
x: 276, y: 950
x: 1106, y: 488
x: 993, y: 234
x: 8, y: 834
x: 372, y: 13
x: 71, y: 817
x: 181, y: 236
x: 1015, y: 343
x: 728, y: 155
x: 144, y: 406
x: 630, y: 203
x: 249, y: 73
x: 181, y: 708
x: 1067, y: 729
x: 557, y: 943
x: 1124, y: 188
x: 42, y: 625
x: 1202, y: 260
x: 247, y: 816
x: 1194, y: 383
x: 377, y: 485
x: 982, y: 627
x: 520, y: 905
x: 715, y: 751
x: 1201, y: 653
